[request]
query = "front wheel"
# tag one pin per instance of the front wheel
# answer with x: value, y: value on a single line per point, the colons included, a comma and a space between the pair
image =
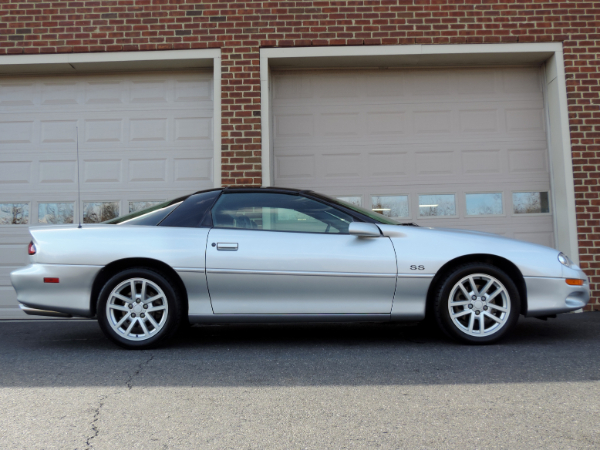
x: 139, y: 309
x: 477, y: 303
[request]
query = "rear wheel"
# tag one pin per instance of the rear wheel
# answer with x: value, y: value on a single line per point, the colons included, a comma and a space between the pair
x: 138, y: 308
x: 477, y: 303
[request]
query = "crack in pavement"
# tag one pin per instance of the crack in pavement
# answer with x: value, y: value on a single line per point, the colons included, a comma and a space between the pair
x: 95, y: 430
x: 137, y: 372
x: 96, y: 416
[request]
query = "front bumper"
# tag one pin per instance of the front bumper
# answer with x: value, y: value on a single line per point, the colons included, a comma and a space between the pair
x: 548, y: 296
x: 70, y: 296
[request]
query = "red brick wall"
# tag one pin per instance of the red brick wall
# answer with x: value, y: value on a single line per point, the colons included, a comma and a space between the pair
x: 241, y: 28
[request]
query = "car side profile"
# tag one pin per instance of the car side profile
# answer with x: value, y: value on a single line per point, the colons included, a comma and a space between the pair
x: 283, y: 255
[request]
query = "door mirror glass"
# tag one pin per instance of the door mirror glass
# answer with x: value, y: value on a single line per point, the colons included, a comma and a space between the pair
x: 364, y: 229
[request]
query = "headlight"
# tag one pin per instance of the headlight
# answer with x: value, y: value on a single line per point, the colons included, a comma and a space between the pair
x: 564, y: 260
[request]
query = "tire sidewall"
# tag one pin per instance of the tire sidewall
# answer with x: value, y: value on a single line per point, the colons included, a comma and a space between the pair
x: 442, y: 313
x: 173, y: 316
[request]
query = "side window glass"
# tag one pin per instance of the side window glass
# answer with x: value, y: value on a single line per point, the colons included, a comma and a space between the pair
x: 278, y: 212
x: 192, y: 211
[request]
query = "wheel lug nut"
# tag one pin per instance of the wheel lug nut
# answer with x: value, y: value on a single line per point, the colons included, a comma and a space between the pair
x: 132, y: 314
x: 485, y: 308
x: 137, y: 300
x: 470, y: 306
x: 145, y: 306
x: 474, y: 298
x: 130, y: 306
x: 477, y: 313
x: 142, y: 315
x: 483, y: 299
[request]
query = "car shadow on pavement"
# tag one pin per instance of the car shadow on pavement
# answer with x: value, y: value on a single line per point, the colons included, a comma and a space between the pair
x: 75, y: 353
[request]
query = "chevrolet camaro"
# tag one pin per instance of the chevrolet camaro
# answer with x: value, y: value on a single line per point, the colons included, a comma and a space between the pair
x: 283, y: 255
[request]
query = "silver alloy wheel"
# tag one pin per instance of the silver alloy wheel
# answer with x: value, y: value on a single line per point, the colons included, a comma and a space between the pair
x: 137, y: 309
x: 479, y: 305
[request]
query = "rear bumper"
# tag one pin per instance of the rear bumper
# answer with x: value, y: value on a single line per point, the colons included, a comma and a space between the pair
x: 71, y: 296
x: 547, y: 296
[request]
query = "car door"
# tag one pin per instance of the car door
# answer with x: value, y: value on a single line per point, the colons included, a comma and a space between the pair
x: 280, y: 253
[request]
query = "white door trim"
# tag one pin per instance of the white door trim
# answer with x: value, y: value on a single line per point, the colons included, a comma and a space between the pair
x: 480, y: 55
x: 129, y: 61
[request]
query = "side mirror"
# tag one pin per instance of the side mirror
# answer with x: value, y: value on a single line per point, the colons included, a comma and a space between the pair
x: 364, y: 229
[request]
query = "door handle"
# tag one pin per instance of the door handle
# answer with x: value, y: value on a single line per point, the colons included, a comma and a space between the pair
x: 227, y: 246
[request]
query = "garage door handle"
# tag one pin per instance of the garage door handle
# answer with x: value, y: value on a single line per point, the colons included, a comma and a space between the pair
x: 227, y: 246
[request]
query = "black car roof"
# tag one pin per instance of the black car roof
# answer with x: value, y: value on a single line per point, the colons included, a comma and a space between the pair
x: 265, y: 189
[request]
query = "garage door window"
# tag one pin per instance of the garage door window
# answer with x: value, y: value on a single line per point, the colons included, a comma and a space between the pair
x: 138, y: 206
x: 55, y: 213
x: 96, y: 212
x: 14, y: 213
x: 437, y: 205
x: 355, y: 200
x: 390, y: 205
x: 531, y: 202
x: 485, y: 204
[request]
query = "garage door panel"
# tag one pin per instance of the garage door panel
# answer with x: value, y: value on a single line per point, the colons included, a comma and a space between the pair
x: 106, y: 90
x: 421, y: 86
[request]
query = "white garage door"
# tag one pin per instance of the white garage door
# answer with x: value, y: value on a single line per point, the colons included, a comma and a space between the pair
x: 462, y: 148
x: 142, y: 138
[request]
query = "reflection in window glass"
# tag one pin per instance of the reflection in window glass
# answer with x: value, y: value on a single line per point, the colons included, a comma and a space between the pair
x: 138, y: 206
x: 437, y: 205
x: 55, y: 213
x: 484, y: 204
x: 390, y: 205
x: 530, y: 202
x: 278, y: 212
x: 96, y: 212
x: 355, y: 200
x: 14, y: 213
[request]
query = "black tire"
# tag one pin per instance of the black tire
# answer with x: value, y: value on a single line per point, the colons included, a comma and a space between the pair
x: 466, y: 327
x: 170, y: 302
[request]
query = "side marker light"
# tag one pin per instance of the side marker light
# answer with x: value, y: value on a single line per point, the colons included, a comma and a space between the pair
x: 51, y: 280
x: 574, y: 282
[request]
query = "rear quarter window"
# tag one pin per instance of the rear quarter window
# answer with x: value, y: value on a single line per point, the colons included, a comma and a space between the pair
x: 194, y: 212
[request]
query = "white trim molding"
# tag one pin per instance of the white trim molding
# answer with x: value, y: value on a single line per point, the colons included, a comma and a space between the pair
x: 549, y: 55
x: 73, y: 63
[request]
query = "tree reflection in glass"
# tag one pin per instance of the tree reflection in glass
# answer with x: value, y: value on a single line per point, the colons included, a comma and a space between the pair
x: 530, y: 202
x: 436, y: 205
x: 390, y: 205
x: 14, y: 213
x: 489, y: 204
x: 55, y: 213
x: 96, y: 212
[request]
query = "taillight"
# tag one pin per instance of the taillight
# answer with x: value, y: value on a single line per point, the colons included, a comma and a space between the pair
x: 31, y: 248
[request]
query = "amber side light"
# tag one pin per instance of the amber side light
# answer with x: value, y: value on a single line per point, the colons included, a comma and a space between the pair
x: 574, y: 282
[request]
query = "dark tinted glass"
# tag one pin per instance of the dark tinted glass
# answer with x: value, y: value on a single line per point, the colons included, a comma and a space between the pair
x: 149, y: 216
x: 278, y: 212
x: 379, y: 218
x: 192, y: 211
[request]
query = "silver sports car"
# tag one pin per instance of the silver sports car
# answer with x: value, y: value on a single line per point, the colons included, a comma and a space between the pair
x: 283, y: 255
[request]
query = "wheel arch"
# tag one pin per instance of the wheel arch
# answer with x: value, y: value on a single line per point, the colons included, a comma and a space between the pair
x: 502, y: 263
x: 122, y: 264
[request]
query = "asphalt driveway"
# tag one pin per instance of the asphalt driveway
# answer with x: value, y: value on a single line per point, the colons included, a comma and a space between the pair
x: 62, y: 385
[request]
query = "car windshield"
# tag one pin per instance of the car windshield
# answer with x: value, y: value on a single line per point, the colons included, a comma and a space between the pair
x: 380, y: 218
x: 148, y: 216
